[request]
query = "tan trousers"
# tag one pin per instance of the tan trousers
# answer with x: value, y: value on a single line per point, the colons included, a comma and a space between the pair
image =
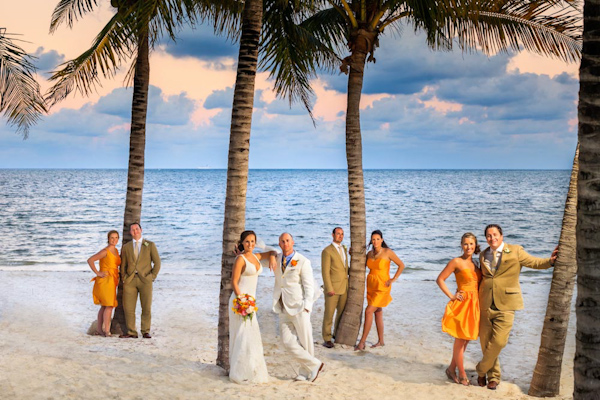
x: 130, y: 296
x: 333, y: 304
x: 494, y: 329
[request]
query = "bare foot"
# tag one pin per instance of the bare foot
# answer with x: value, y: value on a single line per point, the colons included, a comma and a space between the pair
x: 451, y: 375
x: 378, y: 344
x: 464, y: 380
x: 359, y: 346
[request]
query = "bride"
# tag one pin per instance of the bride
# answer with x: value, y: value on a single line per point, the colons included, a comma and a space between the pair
x: 246, y: 358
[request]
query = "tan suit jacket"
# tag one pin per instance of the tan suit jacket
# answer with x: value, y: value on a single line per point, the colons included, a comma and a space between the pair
x: 334, y: 270
x: 503, y: 288
x: 147, y: 264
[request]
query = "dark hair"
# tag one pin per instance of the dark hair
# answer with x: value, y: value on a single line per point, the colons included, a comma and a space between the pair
x: 383, y: 243
x: 492, y: 226
x: 336, y: 228
x: 243, y: 236
x: 472, y: 236
x: 135, y: 223
x: 110, y: 233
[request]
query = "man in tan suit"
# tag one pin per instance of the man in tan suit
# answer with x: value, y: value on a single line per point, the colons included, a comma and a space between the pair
x: 140, y: 264
x: 334, y: 268
x: 499, y: 298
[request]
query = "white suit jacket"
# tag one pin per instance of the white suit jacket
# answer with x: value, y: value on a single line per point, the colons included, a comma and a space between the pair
x: 296, y: 287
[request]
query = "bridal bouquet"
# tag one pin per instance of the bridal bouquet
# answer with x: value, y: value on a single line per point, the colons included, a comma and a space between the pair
x: 245, y: 305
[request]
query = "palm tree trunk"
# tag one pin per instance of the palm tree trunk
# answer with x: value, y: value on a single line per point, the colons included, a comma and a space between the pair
x: 135, y: 172
x: 546, y: 375
x: 237, y: 166
x: 587, y: 353
x: 349, y: 327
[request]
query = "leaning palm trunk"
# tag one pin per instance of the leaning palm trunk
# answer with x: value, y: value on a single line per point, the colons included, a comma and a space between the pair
x: 349, y: 327
x: 587, y: 353
x: 237, y: 166
x: 546, y: 375
x: 137, y: 147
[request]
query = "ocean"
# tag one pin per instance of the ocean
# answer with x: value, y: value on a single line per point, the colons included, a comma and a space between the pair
x: 55, y: 219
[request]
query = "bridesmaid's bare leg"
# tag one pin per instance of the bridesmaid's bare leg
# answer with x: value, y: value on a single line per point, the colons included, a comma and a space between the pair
x: 460, y: 345
x: 379, y: 325
x: 100, y: 320
x: 366, y: 327
x: 107, y: 320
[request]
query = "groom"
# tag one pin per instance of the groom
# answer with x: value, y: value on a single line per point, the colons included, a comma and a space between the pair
x: 292, y: 300
x: 499, y: 298
x: 140, y: 264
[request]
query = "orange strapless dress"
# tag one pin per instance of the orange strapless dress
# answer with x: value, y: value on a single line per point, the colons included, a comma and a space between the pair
x: 378, y: 295
x: 105, y: 289
x: 461, y: 318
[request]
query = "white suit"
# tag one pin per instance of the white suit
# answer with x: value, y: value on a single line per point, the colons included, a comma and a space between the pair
x: 295, y: 289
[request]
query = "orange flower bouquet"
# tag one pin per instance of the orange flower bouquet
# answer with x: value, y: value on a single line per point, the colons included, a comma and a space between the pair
x: 245, y: 305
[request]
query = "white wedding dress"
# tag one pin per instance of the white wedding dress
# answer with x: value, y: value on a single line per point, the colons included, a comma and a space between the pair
x: 246, y: 357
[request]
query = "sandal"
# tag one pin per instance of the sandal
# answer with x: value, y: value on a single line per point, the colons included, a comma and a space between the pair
x: 464, y: 380
x: 451, y: 375
x: 378, y: 344
x: 359, y: 347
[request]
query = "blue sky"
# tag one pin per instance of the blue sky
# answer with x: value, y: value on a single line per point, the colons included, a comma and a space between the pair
x: 420, y: 109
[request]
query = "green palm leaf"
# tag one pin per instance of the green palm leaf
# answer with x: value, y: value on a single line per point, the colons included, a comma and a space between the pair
x: 112, y: 46
x: 20, y: 98
x: 69, y: 11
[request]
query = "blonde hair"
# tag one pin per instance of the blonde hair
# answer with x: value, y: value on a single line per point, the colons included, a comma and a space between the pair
x: 110, y: 233
x: 469, y: 235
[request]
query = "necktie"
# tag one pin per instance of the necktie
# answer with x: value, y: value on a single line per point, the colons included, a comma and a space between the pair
x: 135, y: 249
x: 341, y: 253
x: 494, y: 262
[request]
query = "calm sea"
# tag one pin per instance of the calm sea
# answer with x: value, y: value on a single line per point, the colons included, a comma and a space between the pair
x: 56, y: 219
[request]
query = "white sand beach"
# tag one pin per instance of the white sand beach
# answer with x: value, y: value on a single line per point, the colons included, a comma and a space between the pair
x: 45, y: 352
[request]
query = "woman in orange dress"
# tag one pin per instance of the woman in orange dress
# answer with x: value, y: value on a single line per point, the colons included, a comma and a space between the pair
x: 461, y: 318
x: 106, y: 282
x: 379, y: 286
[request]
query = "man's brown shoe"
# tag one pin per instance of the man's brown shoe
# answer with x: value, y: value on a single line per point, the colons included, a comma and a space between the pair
x: 492, y: 385
x: 127, y: 336
x: 328, y: 344
x: 481, y: 381
x: 146, y: 336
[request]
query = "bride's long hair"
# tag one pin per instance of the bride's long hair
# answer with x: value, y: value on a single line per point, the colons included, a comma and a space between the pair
x: 243, y: 236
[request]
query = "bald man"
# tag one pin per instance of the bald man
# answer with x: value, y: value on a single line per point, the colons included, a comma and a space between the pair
x: 293, y: 299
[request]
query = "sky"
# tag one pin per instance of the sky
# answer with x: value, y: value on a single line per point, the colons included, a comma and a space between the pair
x: 420, y: 109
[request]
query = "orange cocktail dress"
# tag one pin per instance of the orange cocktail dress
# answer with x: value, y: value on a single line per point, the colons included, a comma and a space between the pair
x: 378, y: 295
x: 105, y: 289
x: 461, y: 318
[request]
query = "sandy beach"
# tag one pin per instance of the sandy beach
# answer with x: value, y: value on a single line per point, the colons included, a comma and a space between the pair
x: 46, y: 353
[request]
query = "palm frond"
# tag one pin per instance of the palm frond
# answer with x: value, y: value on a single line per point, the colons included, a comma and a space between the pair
x: 292, y: 54
x: 115, y: 43
x: 20, y: 97
x: 546, y: 27
x: 69, y: 11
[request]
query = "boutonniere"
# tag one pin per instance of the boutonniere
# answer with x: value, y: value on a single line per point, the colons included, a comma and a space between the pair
x: 345, y: 248
x: 506, y: 250
x: 146, y: 244
x: 294, y: 263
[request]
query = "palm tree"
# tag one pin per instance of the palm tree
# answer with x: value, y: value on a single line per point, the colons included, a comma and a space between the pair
x: 548, y: 27
x: 546, y: 375
x: 20, y: 98
x: 131, y: 32
x: 284, y: 47
x: 587, y: 353
x: 237, y: 164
